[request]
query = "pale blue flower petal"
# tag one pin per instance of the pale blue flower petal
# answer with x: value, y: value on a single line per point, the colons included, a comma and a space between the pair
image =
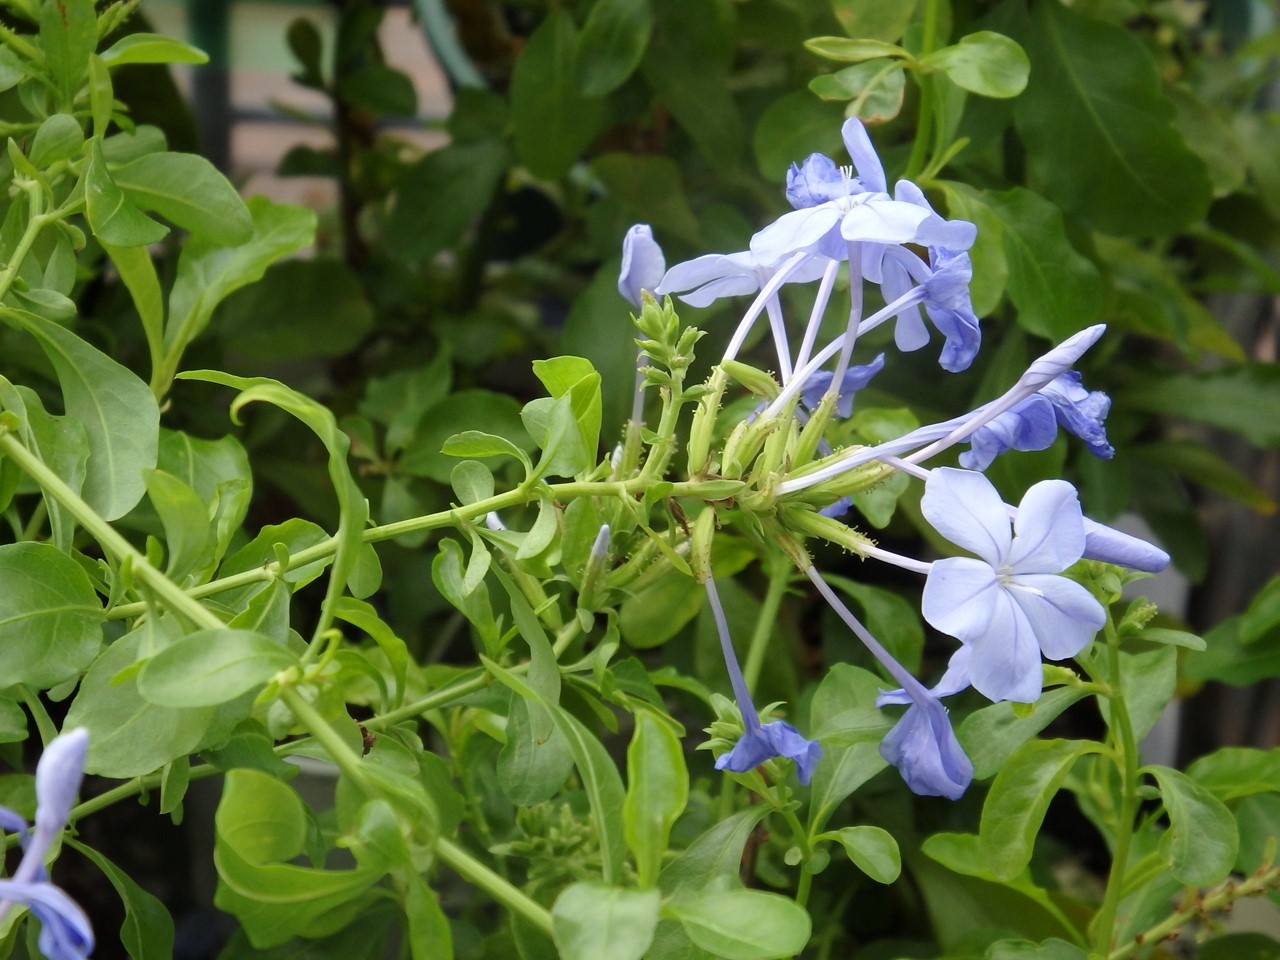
x: 955, y: 679
x: 1081, y: 412
x: 960, y: 596
x: 815, y: 181
x: 1005, y: 663
x: 1063, y: 614
x: 863, y: 154
x: 799, y: 230
x: 642, y: 264
x: 1030, y: 425
x: 855, y: 378
x: 1112, y: 546
x: 964, y: 507
x: 10, y: 822
x: 879, y: 220
x: 776, y: 739
x: 58, y: 776
x: 1048, y: 531
x: 924, y: 748
x: 65, y: 933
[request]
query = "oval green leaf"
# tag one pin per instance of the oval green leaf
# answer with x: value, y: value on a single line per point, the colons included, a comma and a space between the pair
x: 210, y: 667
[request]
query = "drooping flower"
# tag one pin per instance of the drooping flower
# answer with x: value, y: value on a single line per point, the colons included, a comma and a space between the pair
x: 1010, y: 605
x: 759, y: 741
x: 855, y: 379
x: 1033, y: 423
x: 922, y: 744
x: 642, y: 264
x: 65, y: 933
x: 703, y: 280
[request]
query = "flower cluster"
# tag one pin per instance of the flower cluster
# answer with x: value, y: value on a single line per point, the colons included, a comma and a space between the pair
x: 65, y: 933
x: 1009, y: 605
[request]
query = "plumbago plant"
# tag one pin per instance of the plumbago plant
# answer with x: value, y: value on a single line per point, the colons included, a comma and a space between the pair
x: 478, y: 808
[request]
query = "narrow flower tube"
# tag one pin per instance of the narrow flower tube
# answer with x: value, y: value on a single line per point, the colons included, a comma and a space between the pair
x: 922, y: 745
x: 759, y: 742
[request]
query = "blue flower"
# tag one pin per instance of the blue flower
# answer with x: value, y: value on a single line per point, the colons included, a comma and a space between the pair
x: 1031, y: 425
x: 1114, y: 546
x: 922, y: 744
x: 642, y: 264
x: 835, y: 208
x: 1009, y: 605
x: 854, y: 379
x: 65, y: 933
x: 759, y: 742
x: 1081, y: 412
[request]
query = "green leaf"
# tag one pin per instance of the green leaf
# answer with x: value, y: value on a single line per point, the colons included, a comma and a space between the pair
x: 58, y: 138
x: 1240, y: 946
x: 138, y: 273
x: 68, y: 36
x: 50, y: 616
x: 365, y: 617
x: 990, y: 735
x: 129, y: 736
x: 497, y: 413
x: 209, y: 272
x: 846, y: 720
x: 594, y: 920
x: 118, y: 412
x: 353, y: 508
x: 472, y: 482
x: 872, y: 849
x: 532, y: 767
x: 1149, y: 679
x: 112, y: 217
x: 1202, y: 465
x: 430, y: 937
x: 188, y: 190
x: 380, y: 89
x: 60, y: 443
x: 1216, y: 398
x: 441, y: 196
x: 744, y: 924
x: 1019, y: 797
x: 1052, y: 949
x: 1202, y: 842
x: 1233, y: 772
x: 718, y: 852
x: 655, y: 613
x: 687, y: 65
x: 794, y: 126
x: 657, y: 791
x: 448, y: 577
x: 575, y: 379
x: 12, y: 69
x: 1262, y: 616
x: 553, y: 123
x: 1227, y: 658
x: 151, y: 48
x: 611, y: 44
x: 189, y: 540
x: 870, y: 18
x: 854, y: 50
x: 210, y: 667
x: 986, y: 63
x: 260, y: 825
x: 474, y: 443
x: 1056, y: 290
x: 219, y: 473
x: 147, y: 931
x: 1098, y: 128
x: 890, y: 618
x: 648, y: 189
x: 990, y: 268
x: 1177, y: 638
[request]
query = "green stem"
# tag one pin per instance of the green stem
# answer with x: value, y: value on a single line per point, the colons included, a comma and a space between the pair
x: 458, y: 859
x: 779, y: 580
x: 1266, y: 878
x: 806, y: 853
x: 512, y: 897
x: 177, y: 599
x: 44, y: 723
x: 1103, y: 928
x: 36, y: 222
x: 925, y: 124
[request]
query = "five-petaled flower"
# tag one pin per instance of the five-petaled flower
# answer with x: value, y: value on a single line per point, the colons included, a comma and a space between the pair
x: 1009, y: 605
